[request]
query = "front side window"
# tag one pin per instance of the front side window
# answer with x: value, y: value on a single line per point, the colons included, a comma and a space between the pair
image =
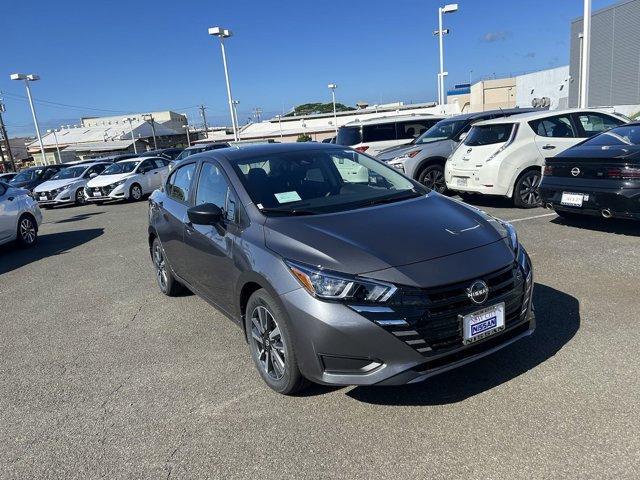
x: 594, y: 123
x: 49, y: 173
x: 379, y: 133
x: 180, y: 181
x: 489, y: 134
x: 213, y: 188
x: 147, y: 166
x: 71, y: 172
x: 120, y: 167
x: 319, y: 181
x: 443, y: 130
x: 555, y: 127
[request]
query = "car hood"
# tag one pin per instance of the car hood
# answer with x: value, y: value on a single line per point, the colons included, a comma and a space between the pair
x: 399, y: 151
x: 382, y: 237
x: 104, y: 180
x: 54, y: 184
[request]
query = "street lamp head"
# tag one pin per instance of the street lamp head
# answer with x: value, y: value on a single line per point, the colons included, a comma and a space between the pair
x: 33, y: 78
x: 450, y: 8
x: 18, y: 76
x: 332, y: 86
x: 220, y: 32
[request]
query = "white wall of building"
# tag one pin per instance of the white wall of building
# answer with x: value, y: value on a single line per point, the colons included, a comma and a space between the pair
x: 552, y: 83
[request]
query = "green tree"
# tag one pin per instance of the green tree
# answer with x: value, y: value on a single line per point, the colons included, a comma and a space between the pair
x: 303, y: 137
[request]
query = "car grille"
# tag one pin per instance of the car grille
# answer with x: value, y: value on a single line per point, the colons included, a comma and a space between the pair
x: 48, y: 195
x: 432, y: 317
x: 103, y: 191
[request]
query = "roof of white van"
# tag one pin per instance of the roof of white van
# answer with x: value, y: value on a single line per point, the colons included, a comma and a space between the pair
x: 395, y: 118
x: 535, y: 115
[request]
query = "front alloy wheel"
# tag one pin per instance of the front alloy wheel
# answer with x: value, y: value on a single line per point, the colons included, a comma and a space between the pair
x: 27, y: 232
x: 527, y: 191
x: 136, y: 192
x: 265, y: 333
x: 433, y: 178
x: 80, y: 198
x: 166, y: 281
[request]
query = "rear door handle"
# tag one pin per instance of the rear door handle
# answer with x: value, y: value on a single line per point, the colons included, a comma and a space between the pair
x: 548, y: 147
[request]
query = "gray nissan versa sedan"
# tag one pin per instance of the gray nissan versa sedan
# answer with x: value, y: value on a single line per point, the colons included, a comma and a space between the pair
x: 339, y: 269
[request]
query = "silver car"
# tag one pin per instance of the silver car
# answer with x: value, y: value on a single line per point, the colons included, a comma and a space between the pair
x: 20, y: 216
x: 425, y: 157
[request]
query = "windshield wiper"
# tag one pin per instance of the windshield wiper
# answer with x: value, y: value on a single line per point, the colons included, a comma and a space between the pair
x: 405, y: 196
x: 288, y: 211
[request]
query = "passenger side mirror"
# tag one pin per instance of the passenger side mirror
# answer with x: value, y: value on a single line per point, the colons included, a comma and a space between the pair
x: 93, y: 175
x: 462, y: 136
x: 205, y: 214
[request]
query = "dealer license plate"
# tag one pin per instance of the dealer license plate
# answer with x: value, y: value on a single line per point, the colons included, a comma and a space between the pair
x: 572, y: 199
x: 461, y: 181
x: 483, y: 323
x: 43, y: 197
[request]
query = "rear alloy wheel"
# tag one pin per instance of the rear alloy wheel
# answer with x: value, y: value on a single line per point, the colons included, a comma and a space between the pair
x: 135, y: 192
x: 27, y: 232
x: 166, y: 281
x: 433, y: 178
x: 271, y: 344
x: 80, y: 198
x: 527, y: 190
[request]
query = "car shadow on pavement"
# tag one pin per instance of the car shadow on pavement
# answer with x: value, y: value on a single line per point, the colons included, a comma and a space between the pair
x: 12, y: 257
x: 487, y: 201
x: 79, y: 217
x: 558, y: 320
x: 614, y: 225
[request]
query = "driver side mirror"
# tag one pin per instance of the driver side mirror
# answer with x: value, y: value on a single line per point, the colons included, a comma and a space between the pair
x: 205, y: 214
x: 462, y: 136
x: 93, y: 175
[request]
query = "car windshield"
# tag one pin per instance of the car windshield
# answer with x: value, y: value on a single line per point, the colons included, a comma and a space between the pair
x: 321, y: 181
x: 120, y: 167
x: 443, y: 130
x: 488, y: 134
x: 70, y: 172
x: 624, y: 135
x: 27, y: 175
x: 192, y: 151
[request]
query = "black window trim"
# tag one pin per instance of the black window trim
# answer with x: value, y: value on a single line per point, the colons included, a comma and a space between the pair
x: 186, y: 202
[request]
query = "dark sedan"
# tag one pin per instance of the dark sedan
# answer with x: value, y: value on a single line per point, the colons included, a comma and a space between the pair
x: 30, y: 178
x: 600, y: 176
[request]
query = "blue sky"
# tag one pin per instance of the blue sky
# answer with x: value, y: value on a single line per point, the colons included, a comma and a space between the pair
x: 116, y: 57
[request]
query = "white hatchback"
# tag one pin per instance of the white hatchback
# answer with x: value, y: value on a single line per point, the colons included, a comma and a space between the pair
x: 128, y: 179
x: 505, y: 156
x: 67, y: 186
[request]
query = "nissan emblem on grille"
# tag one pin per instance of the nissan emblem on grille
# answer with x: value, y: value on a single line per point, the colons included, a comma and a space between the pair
x: 575, y: 171
x: 478, y: 292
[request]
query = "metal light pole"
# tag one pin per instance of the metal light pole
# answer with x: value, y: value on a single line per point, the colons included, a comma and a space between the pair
x: 55, y: 137
x: 586, y: 54
x: 27, y: 79
x: 153, y: 129
x: 186, y: 127
x: 235, y: 114
x: 129, y: 119
x: 332, y: 87
x: 450, y: 8
x: 223, y: 33
x: 279, y: 117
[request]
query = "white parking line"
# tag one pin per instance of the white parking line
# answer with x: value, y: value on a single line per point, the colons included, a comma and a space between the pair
x: 531, y: 218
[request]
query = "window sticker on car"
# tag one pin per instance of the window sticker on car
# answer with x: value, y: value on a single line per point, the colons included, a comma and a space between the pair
x: 286, y: 197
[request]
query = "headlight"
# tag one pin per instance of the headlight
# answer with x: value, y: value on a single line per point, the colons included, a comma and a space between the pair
x: 512, y: 236
x: 335, y: 286
x: 121, y: 182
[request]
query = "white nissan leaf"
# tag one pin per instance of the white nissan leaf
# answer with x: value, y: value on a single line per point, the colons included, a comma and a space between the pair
x: 128, y: 180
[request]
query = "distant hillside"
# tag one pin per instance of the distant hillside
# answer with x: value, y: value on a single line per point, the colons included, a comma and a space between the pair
x: 315, y: 108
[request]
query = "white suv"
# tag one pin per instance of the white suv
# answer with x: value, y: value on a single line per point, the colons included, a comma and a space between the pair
x: 377, y: 134
x: 505, y: 156
x: 128, y: 179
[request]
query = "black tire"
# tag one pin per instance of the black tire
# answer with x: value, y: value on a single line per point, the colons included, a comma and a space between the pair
x: 166, y: 281
x: 526, y: 192
x: 80, y: 198
x: 433, y: 178
x: 570, y: 216
x: 27, y: 234
x: 135, y: 193
x: 271, y: 344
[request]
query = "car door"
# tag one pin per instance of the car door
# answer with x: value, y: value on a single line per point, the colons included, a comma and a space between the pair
x: 172, y: 215
x: 160, y: 172
x: 593, y: 123
x: 145, y: 173
x: 210, y: 258
x: 7, y: 214
x: 554, y: 135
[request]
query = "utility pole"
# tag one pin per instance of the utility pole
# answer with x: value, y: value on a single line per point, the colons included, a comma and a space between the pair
x: 202, y: 108
x: 257, y: 112
x: 153, y: 129
x: 586, y: 54
x: 5, y: 138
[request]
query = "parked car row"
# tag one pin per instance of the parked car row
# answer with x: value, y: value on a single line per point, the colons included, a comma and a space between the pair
x: 500, y: 152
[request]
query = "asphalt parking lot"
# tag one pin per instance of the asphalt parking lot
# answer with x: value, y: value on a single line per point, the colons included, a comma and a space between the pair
x: 103, y: 376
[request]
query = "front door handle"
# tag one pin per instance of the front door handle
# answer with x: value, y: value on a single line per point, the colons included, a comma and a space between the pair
x: 548, y: 147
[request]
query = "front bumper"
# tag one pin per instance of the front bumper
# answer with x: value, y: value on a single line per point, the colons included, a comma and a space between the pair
x: 620, y: 202
x: 338, y: 344
x: 105, y: 194
x: 44, y: 199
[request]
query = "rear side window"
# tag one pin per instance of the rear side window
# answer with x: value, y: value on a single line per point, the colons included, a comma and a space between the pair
x: 180, y: 181
x: 556, y: 127
x: 489, y: 134
x: 413, y: 128
x: 379, y: 133
x: 594, y: 123
x: 348, y: 136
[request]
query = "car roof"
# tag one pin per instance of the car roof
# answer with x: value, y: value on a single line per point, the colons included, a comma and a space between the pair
x: 525, y: 117
x: 134, y: 159
x: 396, y: 118
x: 202, y: 145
